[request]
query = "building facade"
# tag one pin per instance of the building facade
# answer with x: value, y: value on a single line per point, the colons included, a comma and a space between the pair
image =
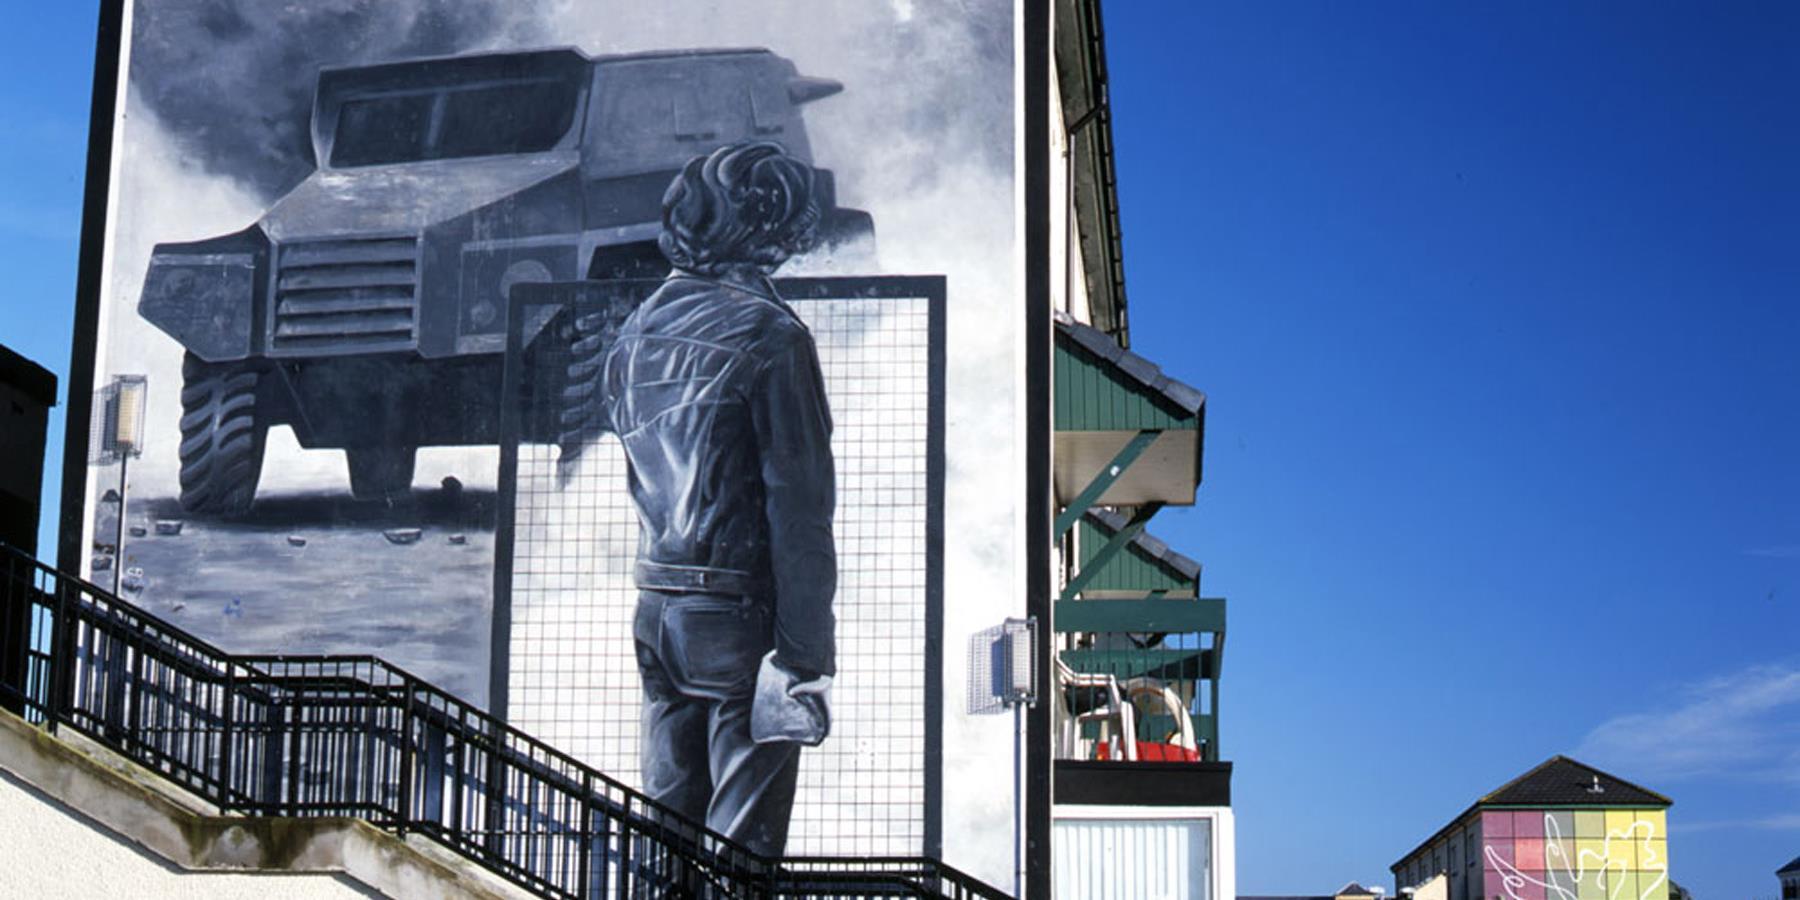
x: 1142, y: 791
x: 1561, y: 831
x: 260, y: 346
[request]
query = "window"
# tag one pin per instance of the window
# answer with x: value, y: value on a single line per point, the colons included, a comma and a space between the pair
x: 486, y: 120
x: 509, y: 118
x: 380, y: 130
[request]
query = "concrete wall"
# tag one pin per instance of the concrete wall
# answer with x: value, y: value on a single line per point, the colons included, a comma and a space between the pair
x: 51, y: 850
x: 77, y: 820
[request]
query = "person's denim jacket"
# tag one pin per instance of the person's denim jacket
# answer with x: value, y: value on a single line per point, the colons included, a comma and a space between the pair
x: 715, y: 391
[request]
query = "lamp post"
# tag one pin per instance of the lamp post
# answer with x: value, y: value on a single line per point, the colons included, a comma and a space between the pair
x: 117, y: 434
x: 1004, y: 659
x: 1018, y: 689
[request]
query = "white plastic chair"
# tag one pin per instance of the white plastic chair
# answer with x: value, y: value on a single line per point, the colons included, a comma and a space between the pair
x: 1116, y: 717
x: 1151, y: 691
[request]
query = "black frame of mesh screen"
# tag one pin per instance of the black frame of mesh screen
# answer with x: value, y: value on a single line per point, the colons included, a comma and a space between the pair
x: 528, y: 417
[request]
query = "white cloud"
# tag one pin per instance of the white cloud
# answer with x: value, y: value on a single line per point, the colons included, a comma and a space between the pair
x: 1741, y: 725
x: 1782, y: 822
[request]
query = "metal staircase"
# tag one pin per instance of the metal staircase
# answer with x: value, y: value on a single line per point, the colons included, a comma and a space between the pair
x: 312, y: 736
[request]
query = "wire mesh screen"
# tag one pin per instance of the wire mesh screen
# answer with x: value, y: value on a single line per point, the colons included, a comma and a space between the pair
x: 571, y: 667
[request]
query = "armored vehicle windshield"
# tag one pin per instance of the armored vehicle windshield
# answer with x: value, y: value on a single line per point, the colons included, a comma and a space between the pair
x: 494, y: 104
x: 526, y: 116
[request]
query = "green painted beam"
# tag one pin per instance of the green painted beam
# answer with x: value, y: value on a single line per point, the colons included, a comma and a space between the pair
x: 1162, y: 664
x: 1212, y: 742
x: 1140, y: 615
x: 1127, y: 455
x: 1118, y: 542
x: 1132, y: 570
x: 1206, y: 732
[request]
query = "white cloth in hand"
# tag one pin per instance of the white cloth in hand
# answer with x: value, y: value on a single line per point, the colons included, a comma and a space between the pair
x: 788, y: 709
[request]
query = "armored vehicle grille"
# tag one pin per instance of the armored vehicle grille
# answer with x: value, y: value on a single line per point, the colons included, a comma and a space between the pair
x: 346, y: 294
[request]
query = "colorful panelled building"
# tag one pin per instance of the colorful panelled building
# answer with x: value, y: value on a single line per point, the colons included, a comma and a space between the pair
x: 1562, y: 831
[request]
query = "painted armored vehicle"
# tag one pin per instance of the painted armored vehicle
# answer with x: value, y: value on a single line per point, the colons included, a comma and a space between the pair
x: 368, y: 308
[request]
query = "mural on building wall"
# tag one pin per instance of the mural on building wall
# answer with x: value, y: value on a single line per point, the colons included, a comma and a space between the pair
x: 320, y: 219
x: 1587, y: 854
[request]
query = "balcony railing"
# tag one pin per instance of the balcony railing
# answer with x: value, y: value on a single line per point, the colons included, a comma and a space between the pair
x: 1136, y: 697
x: 353, y: 736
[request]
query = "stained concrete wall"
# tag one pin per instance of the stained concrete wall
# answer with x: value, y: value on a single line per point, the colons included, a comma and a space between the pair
x: 79, y: 821
x: 49, y: 850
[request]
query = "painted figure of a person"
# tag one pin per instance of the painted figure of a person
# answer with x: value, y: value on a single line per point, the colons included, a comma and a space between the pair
x: 715, y: 391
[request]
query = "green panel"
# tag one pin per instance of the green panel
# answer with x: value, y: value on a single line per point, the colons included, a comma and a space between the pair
x: 1161, y: 664
x: 1132, y: 570
x: 1093, y: 395
x: 1206, y: 614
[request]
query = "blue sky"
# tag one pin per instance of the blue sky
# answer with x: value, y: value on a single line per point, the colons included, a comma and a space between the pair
x: 1498, y: 309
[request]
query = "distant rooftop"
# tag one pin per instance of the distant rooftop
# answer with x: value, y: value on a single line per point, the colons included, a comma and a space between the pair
x: 1790, y: 868
x: 1353, y: 889
x: 1557, y: 781
x: 1561, y: 781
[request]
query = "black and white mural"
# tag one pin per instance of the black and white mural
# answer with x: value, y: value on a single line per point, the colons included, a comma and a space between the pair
x: 619, y: 367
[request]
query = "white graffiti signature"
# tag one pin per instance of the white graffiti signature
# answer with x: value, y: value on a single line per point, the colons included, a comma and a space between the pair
x: 1514, y: 881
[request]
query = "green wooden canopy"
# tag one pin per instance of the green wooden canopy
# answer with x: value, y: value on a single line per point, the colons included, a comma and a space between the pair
x: 1116, y: 409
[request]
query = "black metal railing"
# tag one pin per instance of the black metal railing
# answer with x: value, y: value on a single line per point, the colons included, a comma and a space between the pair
x: 1138, y: 697
x: 312, y: 736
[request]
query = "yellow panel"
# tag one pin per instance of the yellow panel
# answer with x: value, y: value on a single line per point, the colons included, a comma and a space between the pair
x: 1657, y: 821
x: 1590, y: 855
x: 1621, y: 885
x: 1621, y: 850
x: 1653, y: 885
x: 1590, y: 887
x: 1618, y: 821
x: 1653, y: 855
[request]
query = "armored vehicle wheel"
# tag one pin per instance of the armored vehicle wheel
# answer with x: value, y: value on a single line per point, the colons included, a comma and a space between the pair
x: 221, y: 439
x: 381, y: 473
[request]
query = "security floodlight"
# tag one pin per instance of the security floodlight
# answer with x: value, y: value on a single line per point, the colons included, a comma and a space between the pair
x: 1002, y: 676
x: 116, y: 434
x: 116, y: 430
x: 1016, y: 675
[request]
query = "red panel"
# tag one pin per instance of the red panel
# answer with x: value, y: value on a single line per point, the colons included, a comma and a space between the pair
x: 1528, y: 854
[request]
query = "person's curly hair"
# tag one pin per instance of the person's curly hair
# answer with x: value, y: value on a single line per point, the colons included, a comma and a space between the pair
x: 745, y: 203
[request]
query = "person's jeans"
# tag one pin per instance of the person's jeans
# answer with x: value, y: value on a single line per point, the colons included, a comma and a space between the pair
x: 698, y: 655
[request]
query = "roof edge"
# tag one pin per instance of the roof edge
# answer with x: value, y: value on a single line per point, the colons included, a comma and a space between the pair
x: 1487, y: 799
x: 1139, y: 369
x: 1157, y: 548
x: 21, y: 372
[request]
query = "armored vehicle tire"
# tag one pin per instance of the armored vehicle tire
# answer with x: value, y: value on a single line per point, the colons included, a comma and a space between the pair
x: 381, y: 473
x: 221, y: 439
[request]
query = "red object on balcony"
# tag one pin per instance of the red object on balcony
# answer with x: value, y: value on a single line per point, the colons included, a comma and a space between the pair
x: 1153, y: 751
